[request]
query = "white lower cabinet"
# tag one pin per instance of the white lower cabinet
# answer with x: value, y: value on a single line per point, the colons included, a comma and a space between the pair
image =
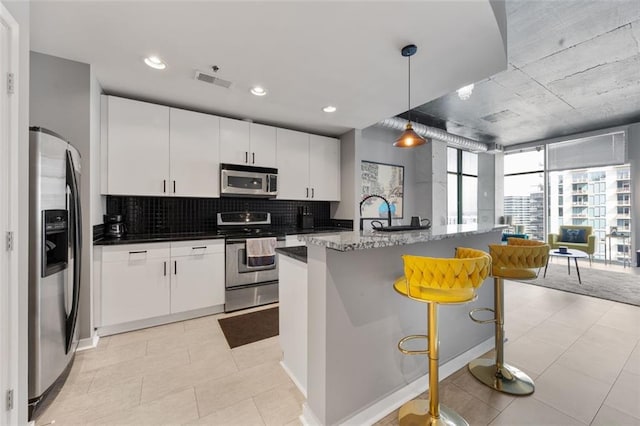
x: 144, y: 281
x: 135, y: 282
x: 195, y: 266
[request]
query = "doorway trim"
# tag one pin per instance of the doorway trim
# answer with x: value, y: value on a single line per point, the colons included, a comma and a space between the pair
x: 9, y: 285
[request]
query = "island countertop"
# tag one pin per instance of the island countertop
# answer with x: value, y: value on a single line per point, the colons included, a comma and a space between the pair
x: 363, y: 240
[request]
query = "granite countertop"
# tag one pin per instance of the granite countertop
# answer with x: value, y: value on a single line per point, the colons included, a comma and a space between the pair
x: 363, y: 240
x: 297, y: 252
x: 208, y: 235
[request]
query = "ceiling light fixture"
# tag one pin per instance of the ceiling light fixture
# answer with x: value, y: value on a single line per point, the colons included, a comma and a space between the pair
x: 409, y: 138
x: 464, y: 93
x: 329, y: 108
x: 258, y: 91
x: 155, y: 62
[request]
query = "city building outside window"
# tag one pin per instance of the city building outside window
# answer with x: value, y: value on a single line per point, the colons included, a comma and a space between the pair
x: 462, y: 187
x: 598, y: 197
x: 524, y: 192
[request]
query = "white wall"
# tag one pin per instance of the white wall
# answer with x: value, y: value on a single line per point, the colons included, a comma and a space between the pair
x: 376, y: 144
x: 60, y: 92
x: 425, y: 180
x: 347, y: 207
x: 21, y: 12
x: 96, y: 200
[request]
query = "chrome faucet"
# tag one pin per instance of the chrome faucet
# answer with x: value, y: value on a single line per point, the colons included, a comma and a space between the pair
x: 375, y: 196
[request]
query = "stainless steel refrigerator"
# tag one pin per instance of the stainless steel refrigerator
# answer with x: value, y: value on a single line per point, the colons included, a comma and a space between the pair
x: 55, y: 242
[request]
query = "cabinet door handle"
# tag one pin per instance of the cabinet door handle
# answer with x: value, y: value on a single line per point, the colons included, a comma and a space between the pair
x: 164, y: 186
x: 137, y: 252
x: 253, y: 158
x: 199, y: 248
x: 174, y: 186
x: 175, y: 267
x: 307, y: 193
x: 313, y: 190
x: 246, y: 156
x: 165, y: 268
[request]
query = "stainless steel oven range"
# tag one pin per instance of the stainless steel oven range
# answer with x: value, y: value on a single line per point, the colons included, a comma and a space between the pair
x: 247, y: 286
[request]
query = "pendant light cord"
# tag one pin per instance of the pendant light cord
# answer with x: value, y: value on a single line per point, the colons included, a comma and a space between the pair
x: 409, y: 97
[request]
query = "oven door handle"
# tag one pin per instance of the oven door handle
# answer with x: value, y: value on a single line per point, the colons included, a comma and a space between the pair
x: 262, y: 267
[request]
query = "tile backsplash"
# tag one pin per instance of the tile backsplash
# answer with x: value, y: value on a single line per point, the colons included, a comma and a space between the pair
x: 167, y: 214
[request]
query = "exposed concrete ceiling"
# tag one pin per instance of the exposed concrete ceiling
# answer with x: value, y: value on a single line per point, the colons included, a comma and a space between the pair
x: 307, y: 54
x: 574, y: 66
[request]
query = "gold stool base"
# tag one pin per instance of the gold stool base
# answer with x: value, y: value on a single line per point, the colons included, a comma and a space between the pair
x: 508, y: 380
x: 416, y: 413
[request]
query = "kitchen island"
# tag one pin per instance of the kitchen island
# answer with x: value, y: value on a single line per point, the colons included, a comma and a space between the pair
x: 355, y: 373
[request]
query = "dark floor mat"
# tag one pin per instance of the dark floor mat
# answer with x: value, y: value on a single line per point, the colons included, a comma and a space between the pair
x: 248, y: 328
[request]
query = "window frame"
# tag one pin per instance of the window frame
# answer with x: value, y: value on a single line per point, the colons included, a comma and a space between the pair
x: 459, y: 174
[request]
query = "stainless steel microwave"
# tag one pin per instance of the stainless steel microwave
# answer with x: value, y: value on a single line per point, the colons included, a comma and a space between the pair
x: 248, y: 181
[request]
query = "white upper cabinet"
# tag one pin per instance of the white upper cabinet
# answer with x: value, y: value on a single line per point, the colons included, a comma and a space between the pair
x: 194, y: 158
x: 150, y: 149
x: 263, y: 146
x: 293, y: 165
x: 324, y: 168
x: 234, y: 141
x: 155, y: 150
x: 308, y: 166
x: 135, y: 147
x: 247, y: 143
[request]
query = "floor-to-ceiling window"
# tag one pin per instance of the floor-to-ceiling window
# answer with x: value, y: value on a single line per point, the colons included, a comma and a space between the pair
x: 462, y: 186
x: 598, y: 197
x: 588, y: 184
x: 524, y: 192
x: 596, y: 184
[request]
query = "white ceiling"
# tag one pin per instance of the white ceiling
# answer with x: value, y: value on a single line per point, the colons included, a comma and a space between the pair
x: 308, y: 54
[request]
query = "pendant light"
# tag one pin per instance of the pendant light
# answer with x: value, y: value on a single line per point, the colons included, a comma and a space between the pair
x: 409, y: 138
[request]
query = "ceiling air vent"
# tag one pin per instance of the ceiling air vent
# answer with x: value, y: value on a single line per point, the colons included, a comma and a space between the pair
x: 208, y: 78
x: 500, y: 116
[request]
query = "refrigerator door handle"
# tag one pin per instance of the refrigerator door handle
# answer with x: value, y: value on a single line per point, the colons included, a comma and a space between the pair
x: 70, y: 323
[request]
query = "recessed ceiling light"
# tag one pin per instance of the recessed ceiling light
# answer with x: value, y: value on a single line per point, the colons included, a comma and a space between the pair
x: 329, y: 108
x: 258, y: 91
x: 155, y: 62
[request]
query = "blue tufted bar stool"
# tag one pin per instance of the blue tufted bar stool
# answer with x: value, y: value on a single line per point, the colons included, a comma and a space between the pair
x: 520, y: 259
x: 438, y: 281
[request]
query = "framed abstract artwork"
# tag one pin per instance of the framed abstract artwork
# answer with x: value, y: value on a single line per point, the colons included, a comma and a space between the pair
x: 386, y: 180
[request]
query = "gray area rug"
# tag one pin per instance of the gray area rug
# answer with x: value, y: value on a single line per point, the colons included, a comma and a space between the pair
x: 616, y: 286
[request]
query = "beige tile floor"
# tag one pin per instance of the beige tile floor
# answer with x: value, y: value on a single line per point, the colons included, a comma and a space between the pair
x: 583, y: 353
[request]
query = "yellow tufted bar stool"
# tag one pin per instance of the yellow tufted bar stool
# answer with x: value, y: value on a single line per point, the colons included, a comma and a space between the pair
x: 520, y: 259
x: 438, y: 281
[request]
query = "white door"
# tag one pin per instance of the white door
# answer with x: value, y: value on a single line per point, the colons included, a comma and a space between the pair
x: 324, y: 168
x: 194, y: 140
x: 263, y: 145
x: 10, y: 304
x: 293, y: 165
x: 234, y: 141
x: 138, y: 147
x: 197, y: 281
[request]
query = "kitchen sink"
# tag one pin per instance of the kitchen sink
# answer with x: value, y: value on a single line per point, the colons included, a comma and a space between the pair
x: 400, y: 228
